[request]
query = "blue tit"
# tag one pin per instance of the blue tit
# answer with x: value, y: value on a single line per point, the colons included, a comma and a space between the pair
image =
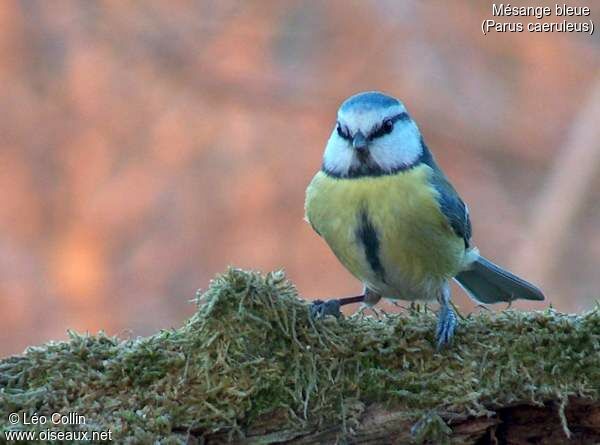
x: 393, y: 219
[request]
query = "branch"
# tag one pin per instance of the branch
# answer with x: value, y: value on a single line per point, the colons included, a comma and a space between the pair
x: 252, y: 367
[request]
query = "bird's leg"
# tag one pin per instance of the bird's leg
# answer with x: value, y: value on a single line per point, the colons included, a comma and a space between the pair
x: 320, y: 308
x: 446, y: 319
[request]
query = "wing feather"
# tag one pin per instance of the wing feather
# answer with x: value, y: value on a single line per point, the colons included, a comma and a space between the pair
x: 455, y: 210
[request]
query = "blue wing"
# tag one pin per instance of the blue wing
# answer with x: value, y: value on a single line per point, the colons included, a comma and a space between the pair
x: 451, y: 205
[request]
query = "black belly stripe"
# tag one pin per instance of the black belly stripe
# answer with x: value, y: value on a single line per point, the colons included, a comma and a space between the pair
x: 367, y: 236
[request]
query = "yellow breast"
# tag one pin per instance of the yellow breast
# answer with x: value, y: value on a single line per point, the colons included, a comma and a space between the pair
x: 413, y: 241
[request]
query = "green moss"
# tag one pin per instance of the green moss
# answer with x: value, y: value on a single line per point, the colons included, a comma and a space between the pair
x: 252, y: 352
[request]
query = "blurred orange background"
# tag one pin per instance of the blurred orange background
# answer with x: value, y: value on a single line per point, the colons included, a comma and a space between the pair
x: 146, y: 146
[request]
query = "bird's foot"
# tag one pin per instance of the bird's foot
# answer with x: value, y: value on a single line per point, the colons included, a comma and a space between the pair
x: 320, y: 308
x: 446, y: 326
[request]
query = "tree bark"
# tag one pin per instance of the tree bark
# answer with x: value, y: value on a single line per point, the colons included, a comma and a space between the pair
x: 518, y: 424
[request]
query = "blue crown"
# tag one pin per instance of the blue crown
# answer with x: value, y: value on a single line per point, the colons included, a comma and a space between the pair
x: 368, y: 100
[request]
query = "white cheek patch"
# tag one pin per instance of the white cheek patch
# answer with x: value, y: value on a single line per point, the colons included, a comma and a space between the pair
x: 339, y: 155
x: 401, y: 148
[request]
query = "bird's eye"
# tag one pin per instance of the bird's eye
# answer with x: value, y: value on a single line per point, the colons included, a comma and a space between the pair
x: 343, y: 133
x: 387, y: 126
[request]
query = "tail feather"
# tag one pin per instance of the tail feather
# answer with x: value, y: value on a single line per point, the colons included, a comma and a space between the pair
x: 488, y: 283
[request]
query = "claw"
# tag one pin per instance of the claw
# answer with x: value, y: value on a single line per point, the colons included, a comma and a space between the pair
x: 320, y: 308
x: 446, y: 326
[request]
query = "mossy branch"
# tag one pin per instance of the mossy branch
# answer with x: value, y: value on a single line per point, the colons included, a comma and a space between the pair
x: 252, y: 367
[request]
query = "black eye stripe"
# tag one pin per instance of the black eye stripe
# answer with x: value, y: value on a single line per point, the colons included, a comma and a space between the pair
x: 342, y: 132
x: 385, y: 128
x: 377, y: 132
x: 400, y: 117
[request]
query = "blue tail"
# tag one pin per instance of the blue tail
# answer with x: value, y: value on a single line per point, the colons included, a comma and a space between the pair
x: 488, y: 283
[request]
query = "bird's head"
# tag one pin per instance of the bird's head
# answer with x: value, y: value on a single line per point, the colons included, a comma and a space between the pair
x: 373, y: 135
